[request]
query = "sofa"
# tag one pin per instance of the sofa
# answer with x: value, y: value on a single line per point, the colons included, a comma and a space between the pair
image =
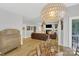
x: 43, y: 36
x: 9, y: 39
x: 53, y: 36
x: 39, y: 36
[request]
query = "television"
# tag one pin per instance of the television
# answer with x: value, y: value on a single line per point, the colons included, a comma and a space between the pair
x: 48, y: 26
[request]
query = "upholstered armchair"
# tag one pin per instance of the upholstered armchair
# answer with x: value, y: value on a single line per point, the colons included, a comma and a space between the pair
x: 9, y: 39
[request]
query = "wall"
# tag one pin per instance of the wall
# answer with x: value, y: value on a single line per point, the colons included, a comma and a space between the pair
x: 65, y: 32
x: 10, y: 20
x: 28, y: 22
x: 72, y: 11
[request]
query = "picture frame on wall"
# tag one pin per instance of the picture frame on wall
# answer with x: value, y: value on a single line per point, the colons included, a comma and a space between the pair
x: 28, y: 27
x: 31, y: 28
x: 61, y: 25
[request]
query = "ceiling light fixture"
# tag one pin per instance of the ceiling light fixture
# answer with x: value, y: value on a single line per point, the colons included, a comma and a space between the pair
x: 53, y: 11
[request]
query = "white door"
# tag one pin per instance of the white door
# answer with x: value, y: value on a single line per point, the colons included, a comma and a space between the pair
x: 73, y: 32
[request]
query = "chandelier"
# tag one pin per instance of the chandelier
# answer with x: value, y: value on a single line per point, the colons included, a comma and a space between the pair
x: 53, y: 12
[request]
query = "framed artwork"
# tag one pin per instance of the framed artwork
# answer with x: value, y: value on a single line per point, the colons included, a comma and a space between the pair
x: 28, y: 27
x: 61, y: 25
x: 31, y: 28
x: 23, y: 28
x: 56, y: 25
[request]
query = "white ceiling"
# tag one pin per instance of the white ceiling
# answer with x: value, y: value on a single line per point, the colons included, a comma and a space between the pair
x: 29, y: 10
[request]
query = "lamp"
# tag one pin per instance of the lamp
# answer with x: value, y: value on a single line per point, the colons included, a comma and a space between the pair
x: 52, y: 12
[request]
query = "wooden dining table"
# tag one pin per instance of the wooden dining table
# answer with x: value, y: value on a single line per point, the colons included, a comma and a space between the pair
x: 48, y: 49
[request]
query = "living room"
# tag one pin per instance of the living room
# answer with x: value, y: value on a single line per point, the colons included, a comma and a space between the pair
x: 25, y: 27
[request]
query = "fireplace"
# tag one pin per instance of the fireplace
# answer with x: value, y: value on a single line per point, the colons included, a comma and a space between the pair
x: 48, y: 31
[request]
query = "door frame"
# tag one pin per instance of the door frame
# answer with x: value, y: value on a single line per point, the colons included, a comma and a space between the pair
x: 70, y: 29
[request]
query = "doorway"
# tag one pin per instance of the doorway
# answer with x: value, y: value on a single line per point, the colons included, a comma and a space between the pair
x: 74, y: 32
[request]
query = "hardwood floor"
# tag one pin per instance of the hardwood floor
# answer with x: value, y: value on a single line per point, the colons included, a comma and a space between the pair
x: 29, y: 46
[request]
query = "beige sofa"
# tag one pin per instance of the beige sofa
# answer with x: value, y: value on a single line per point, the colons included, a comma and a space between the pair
x: 9, y: 39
